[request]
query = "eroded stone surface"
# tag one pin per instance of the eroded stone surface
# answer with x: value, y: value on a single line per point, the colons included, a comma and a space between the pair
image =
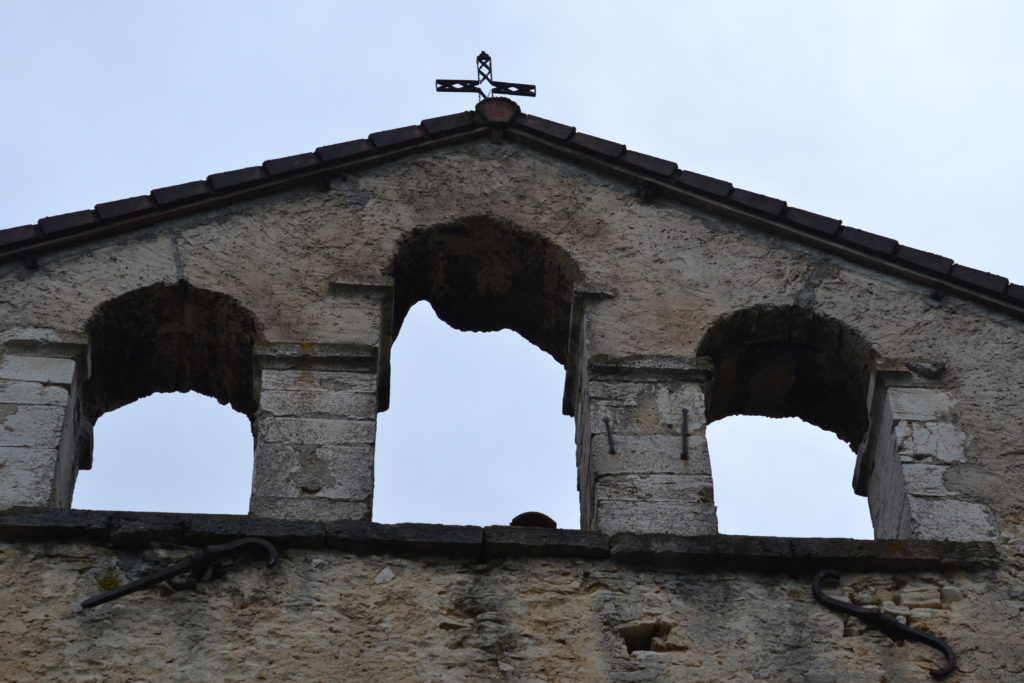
x: 324, y: 615
x: 661, y: 278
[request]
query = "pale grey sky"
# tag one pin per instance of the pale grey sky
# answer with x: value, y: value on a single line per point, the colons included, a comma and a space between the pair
x: 897, y: 117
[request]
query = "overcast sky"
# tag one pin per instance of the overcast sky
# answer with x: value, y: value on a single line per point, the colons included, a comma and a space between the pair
x: 902, y: 118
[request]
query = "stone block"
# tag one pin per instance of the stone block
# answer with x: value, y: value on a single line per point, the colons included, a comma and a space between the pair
x: 649, y: 455
x: 921, y: 597
x: 653, y: 409
x: 889, y: 517
x: 28, y: 476
x: 323, y: 380
x: 34, y: 524
x: 309, y: 508
x: 34, y: 426
x: 655, y: 517
x: 949, y: 519
x: 315, y: 431
x: 140, y: 529
x: 319, y: 403
x: 937, y: 440
x: 37, y: 369
x: 690, y: 489
x: 925, y: 480
x: 22, y: 392
x: 697, y: 552
x: 333, y: 472
x: 906, y: 403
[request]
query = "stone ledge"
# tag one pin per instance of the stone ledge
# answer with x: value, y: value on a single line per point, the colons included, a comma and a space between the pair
x: 769, y: 553
x: 369, y: 538
x: 658, y: 551
x: 513, y: 541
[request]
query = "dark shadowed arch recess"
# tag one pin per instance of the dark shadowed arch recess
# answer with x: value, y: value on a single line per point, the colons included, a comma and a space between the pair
x: 784, y: 361
x: 483, y: 276
x: 165, y: 338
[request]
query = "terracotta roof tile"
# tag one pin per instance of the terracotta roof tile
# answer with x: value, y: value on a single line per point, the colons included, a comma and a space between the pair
x: 703, y: 184
x: 396, y: 136
x: 231, y: 180
x: 868, y: 241
x: 925, y: 260
x: 599, y: 146
x: 759, y: 203
x: 550, y: 129
x: 67, y: 222
x: 979, y: 278
x: 344, y: 151
x: 14, y: 237
x: 1015, y: 293
x: 812, y: 222
x: 180, y: 193
x: 453, y: 123
x: 645, y: 163
x: 297, y: 162
x: 501, y: 112
x: 124, y: 207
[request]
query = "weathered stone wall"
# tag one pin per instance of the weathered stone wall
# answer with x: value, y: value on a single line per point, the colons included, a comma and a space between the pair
x: 312, y: 265
x: 414, y: 602
x: 315, y: 267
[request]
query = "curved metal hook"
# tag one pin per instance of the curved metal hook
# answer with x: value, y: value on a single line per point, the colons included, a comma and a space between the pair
x: 217, y: 551
x: 883, y: 622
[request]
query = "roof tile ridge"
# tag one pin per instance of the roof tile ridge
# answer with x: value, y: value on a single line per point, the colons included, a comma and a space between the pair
x: 235, y: 179
x: 501, y: 112
x: 773, y: 208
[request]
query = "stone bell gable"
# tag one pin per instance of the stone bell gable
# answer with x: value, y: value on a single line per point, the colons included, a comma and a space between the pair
x: 670, y: 298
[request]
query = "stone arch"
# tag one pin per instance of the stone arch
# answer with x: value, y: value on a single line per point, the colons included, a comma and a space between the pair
x: 484, y: 275
x: 165, y: 338
x: 786, y: 361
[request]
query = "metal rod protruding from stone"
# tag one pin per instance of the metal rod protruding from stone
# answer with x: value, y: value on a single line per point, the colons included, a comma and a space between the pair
x: 608, y: 431
x: 686, y: 434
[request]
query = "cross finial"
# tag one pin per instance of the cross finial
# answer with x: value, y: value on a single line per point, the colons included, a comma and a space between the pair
x: 483, y: 75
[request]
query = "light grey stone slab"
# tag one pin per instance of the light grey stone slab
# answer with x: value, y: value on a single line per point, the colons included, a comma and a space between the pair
x: 317, y: 431
x: 37, y: 369
x: 907, y: 403
x: 32, y: 393
x: 31, y: 425
x: 27, y: 476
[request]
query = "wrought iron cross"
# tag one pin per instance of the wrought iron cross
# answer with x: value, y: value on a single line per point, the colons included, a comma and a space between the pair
x: 483, y: 75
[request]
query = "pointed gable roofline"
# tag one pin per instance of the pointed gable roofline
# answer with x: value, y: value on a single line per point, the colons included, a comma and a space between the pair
x: 500, y: 118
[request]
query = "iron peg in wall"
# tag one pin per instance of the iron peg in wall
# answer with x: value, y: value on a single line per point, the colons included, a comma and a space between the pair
x: 608, y: 432
x: 686, y: 434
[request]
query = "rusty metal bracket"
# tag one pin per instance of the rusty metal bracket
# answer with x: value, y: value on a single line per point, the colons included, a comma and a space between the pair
x: 883, y: 622
x: 197, y: 564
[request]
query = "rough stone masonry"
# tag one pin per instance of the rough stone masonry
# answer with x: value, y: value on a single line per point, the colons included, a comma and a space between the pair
x: 670, y: 298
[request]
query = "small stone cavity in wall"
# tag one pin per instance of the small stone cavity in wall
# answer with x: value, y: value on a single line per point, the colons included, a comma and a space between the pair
x: 654, y: 636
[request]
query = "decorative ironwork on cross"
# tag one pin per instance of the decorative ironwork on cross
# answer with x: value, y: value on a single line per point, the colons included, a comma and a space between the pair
x: 483, y: 75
